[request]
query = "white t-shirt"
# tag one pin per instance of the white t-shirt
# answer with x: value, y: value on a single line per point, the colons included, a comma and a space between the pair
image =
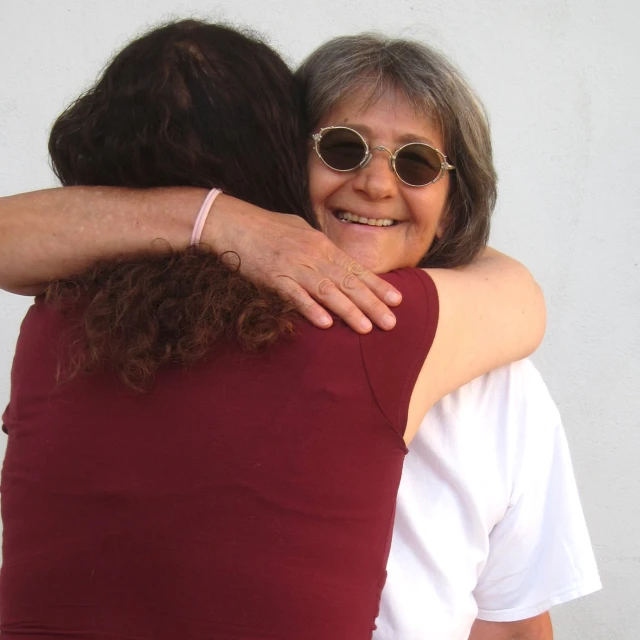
x: 489, y: 523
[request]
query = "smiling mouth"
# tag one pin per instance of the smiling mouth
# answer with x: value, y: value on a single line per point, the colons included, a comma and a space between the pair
x: 352, y: 218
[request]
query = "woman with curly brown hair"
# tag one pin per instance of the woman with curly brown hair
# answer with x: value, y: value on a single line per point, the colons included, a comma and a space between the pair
x: 246, y: 495
x: 178, y: 108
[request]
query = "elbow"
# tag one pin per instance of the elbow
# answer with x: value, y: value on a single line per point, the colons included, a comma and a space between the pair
x: 19, y: 288
x: 30, y: 290
x: 11, y: 266
x: 535, y: 314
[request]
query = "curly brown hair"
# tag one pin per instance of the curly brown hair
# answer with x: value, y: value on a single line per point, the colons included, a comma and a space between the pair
x: 139, y: 315
x: 194, y: 104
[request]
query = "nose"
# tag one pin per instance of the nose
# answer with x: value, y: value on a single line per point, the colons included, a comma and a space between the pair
x: 376, y: 178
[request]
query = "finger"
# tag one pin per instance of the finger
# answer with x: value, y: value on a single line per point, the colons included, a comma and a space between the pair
x: 348, y: 281
x: 304, y: 303
x: 384, y: 291
x: 369, y: 292
x: 327, y: 293
x: 368, y: 301
x: 357, y: 291
x: 381, y: 288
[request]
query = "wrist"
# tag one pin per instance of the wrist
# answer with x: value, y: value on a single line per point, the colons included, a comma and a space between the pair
x: 230, y: 219
x: 215, y: 229
x: 201, y: 218
x: 167, y: 213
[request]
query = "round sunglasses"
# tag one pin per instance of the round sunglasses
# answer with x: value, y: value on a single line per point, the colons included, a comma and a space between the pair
x: 417, y: 164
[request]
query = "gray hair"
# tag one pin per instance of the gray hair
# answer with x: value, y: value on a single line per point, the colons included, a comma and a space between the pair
x: 372, y: 65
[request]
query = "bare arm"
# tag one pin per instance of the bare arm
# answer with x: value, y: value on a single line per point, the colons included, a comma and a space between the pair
x: 56, y: 233
x: 538, y: 628
x: 492, y: 312
x: 59, y: 232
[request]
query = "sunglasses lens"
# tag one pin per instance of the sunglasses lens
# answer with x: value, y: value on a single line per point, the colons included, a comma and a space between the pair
x: 342, y: 149
x: 418, y: 164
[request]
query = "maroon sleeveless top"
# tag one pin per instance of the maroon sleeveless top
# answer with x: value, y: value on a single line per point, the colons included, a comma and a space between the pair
x: 249, y: 497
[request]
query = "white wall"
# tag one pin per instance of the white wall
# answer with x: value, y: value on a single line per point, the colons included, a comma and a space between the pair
x: 561, y: 81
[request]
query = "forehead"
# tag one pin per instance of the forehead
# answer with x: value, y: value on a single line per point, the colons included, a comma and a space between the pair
x: 390, y: 115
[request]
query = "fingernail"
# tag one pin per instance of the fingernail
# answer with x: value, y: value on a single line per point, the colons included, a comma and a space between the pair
x: 393, y: 297
x: 325, y: 321
x: 366, y: 325
x: 389, y: 321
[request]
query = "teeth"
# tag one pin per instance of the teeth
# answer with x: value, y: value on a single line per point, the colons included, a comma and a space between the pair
x: 345, y: 216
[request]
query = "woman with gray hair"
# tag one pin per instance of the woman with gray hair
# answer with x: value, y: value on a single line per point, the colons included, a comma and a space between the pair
x: 375, y: 68
x: 488, y: 523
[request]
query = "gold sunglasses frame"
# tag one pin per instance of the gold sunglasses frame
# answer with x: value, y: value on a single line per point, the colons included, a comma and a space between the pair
x: 368, y: 154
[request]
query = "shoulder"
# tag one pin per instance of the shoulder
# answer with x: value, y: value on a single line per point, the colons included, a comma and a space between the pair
x: 393, y: 359
x: 419, y: 295
x: 513, y: 396
x: 486, y: 438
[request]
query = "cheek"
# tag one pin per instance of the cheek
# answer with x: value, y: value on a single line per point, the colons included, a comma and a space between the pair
x: 323, y: 184
x: 317, y: 182
x: 315, y: 190
x: 429, y: 210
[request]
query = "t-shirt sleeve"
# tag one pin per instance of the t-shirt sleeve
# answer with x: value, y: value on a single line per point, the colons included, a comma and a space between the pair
x: 393, y: 359
x: 540, y: 552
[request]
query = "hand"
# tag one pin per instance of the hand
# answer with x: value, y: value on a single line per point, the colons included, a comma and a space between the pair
x: 284, y: 252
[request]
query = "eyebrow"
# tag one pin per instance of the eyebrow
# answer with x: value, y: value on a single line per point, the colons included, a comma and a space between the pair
x: 403, y: 139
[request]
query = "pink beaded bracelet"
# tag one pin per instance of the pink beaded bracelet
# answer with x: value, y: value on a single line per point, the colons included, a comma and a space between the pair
x: 202, y: 216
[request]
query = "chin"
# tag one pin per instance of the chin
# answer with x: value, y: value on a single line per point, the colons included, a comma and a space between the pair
x: 365, y: 245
